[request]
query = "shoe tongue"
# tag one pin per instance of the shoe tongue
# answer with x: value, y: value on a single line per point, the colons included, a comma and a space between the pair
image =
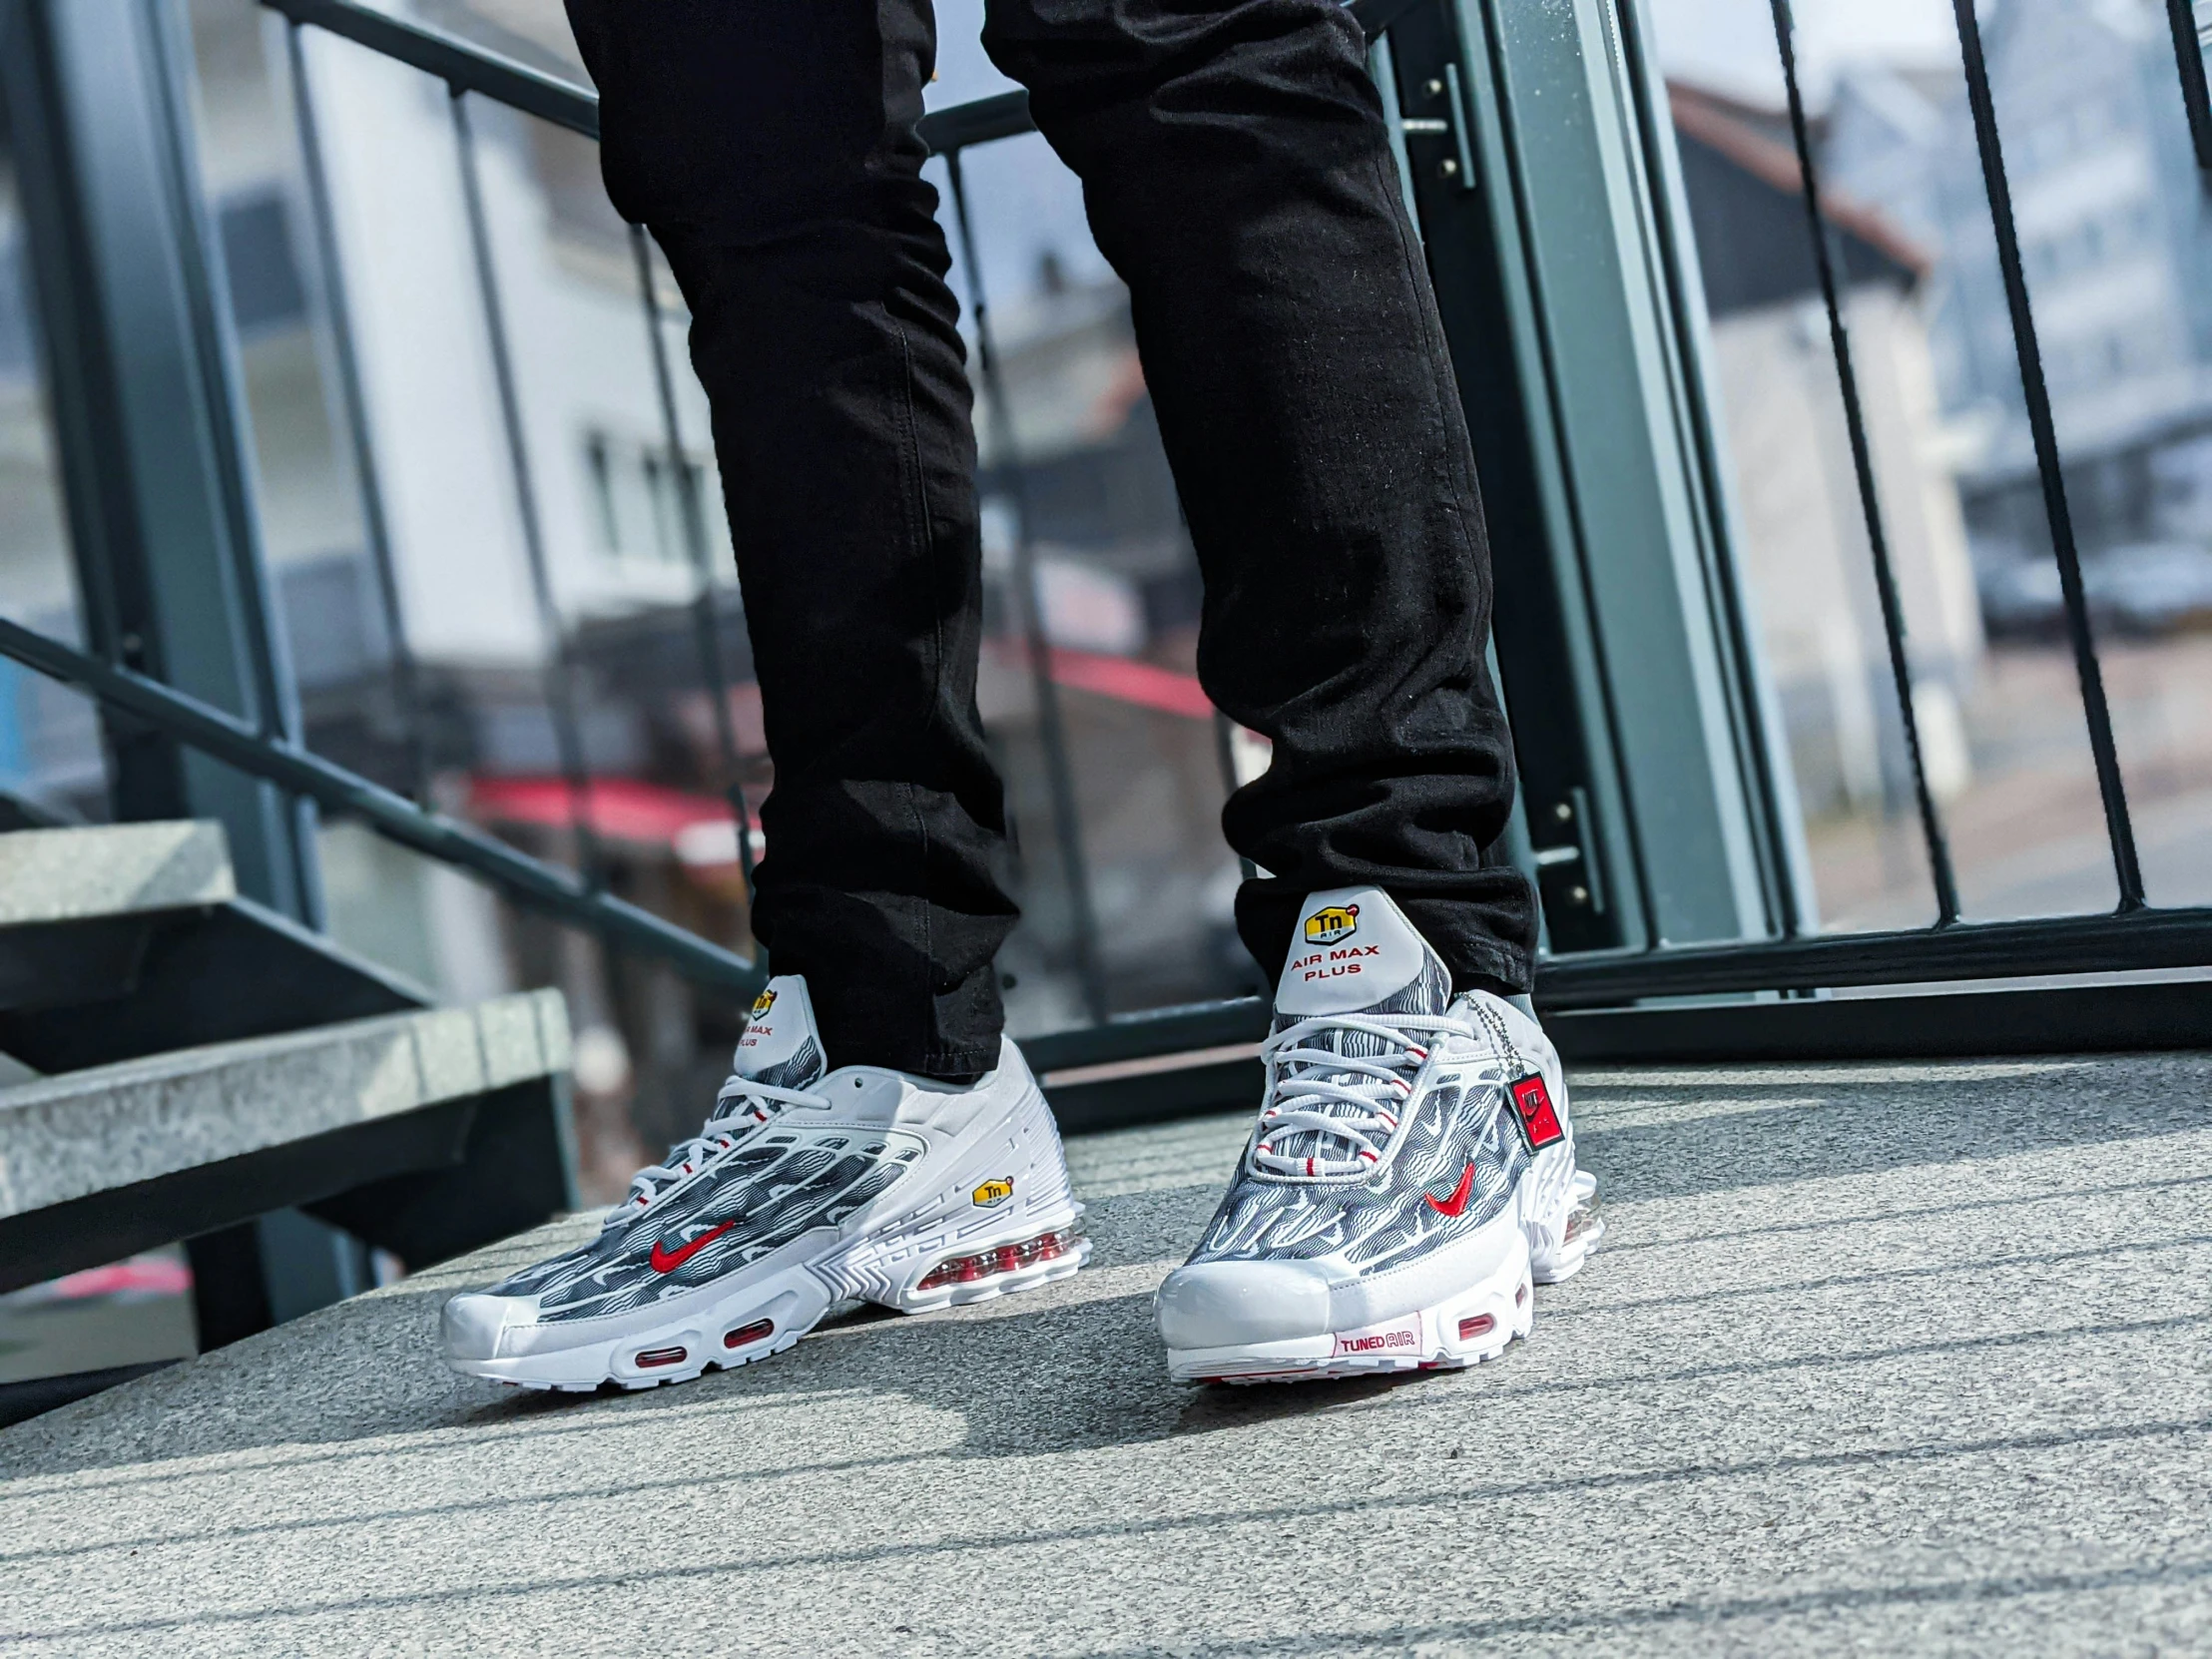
x: 780, y: 1044
x: 1353, y: 952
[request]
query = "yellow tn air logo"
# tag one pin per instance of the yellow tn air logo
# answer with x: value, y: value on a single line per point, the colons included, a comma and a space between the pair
x: 991, y: 1193
x: 763, y: 1003
x: 1332, y: 922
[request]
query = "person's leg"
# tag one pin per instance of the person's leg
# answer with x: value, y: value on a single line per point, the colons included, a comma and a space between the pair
x: 1413, y: 1174
x: 768, y: 146
x: 1239, y: 177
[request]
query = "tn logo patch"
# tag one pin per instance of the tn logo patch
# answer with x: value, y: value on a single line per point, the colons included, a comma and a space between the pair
x: 1332, y: 922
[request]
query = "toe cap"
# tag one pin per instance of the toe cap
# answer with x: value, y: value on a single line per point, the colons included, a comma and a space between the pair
x: 1230, y: 1304
x: 471, y: 1324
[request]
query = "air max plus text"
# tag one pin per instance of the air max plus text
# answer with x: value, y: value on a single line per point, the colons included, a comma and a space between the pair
x: 1411, y: 1175
x: 806, y: 1187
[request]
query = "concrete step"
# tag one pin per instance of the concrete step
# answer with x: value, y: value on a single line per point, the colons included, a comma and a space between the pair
x: 127, y: 939
x: 111, y: 870
x: 1876, y: 1359
x: 77, y: 907
x: 103, y: 1162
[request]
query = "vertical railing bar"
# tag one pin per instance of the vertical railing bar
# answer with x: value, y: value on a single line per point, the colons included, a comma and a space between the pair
x: 1648, y: 93
x: 274, y: 681
x: 2197, y: 99
x: 338, y: 322
x: 1051, y: 728
x: 706, y: 626
x: 2118, y: 828
x: 559, y: 678
x: 273, y: 689
x: 1861, y: 462
x: 1224, y: 752
x: 1483, y: 36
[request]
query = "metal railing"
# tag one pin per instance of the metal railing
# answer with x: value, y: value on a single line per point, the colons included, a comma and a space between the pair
x: 465, y: 69
x: 2136, y: 935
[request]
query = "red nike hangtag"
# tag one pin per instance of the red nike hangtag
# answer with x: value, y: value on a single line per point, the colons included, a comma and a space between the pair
x: 1539, y: 1121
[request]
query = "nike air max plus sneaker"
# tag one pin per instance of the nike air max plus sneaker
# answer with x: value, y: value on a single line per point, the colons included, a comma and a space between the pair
x: 807, y: 1186
x: 1411, y: 1176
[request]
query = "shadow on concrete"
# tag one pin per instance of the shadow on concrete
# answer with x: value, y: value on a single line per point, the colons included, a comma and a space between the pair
x: 1504, y: 1489
x: 1902, y: 1115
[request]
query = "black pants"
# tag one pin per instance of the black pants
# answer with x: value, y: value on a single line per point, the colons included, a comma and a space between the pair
x: 1238, y: 176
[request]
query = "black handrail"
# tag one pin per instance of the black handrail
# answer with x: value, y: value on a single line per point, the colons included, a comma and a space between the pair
x: 1970, y: 951
x: 560, y: 671
x: 541, y: 886
x: 461, y: 63
x: 468, y: 67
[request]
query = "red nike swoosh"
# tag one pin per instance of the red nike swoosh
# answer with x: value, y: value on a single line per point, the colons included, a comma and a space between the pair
x: 668, y: 1261
x: 1443, y: 1206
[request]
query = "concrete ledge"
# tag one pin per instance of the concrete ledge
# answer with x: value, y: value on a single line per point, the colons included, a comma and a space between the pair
x: 109, y: 870
x: 69, y: 1137
x: 1897, y: 1359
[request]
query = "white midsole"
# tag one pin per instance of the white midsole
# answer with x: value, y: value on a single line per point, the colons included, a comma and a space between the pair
x: 881, y: 1256
x: 1473, y: 1322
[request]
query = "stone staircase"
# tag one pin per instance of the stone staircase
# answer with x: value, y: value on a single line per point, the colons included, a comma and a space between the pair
x: 197, y: 1062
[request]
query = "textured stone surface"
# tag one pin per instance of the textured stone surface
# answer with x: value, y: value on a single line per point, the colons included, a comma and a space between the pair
x: 1885, y: 1359
x: 85, y: 1131
x: 111, y: 870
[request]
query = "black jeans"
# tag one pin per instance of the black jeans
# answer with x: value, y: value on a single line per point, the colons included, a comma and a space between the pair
x: 1238, y: 176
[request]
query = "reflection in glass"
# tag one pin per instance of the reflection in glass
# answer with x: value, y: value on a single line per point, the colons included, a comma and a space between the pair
x: 2118, y: 254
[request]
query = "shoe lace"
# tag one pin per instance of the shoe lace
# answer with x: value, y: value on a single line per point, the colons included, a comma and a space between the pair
x: 741, y: 1106
x: 1350, y: 1103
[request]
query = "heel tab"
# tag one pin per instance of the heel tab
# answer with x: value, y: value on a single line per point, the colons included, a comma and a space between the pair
x: 1011, y: 1061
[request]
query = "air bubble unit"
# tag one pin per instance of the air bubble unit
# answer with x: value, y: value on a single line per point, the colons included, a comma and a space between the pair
x: 1005, y: 1259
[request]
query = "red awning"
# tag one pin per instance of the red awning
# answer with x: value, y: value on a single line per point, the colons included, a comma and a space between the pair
x: 617, y: 809
x: 1124, y: 679
x: 698, y: 827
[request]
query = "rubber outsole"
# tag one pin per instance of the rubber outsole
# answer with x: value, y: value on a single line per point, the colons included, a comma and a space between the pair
x: 792, y: 1303
x: 781, y: 1340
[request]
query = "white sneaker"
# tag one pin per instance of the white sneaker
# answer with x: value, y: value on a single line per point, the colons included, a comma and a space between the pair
x: 806, y: 1187
x: 1411, y: 1176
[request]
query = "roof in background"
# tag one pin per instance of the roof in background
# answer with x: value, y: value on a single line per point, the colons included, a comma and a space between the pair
x: 1747, y: 210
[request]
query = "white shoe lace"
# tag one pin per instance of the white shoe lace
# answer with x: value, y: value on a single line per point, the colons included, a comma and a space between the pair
x: 1346, y: 1101
x: 755, y: 1103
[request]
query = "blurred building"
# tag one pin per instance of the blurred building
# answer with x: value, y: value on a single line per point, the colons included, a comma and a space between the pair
x: 1801, y: 528
x: 2117, y: 250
